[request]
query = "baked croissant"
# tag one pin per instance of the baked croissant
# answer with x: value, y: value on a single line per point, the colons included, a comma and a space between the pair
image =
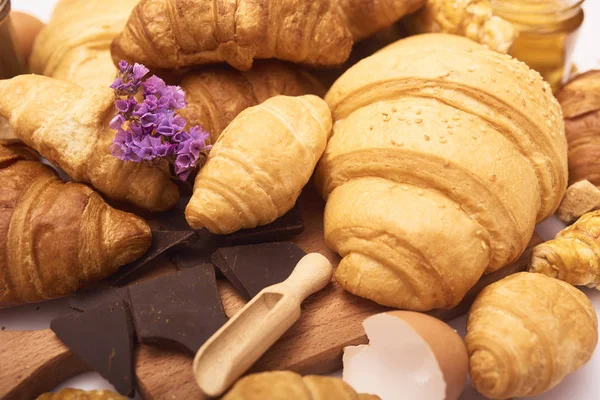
x: 56, y: 237
x: 580, y: 101
x: 526, y: 333
x: 470, y: 18
x: 287, y: 385
x: 444, y: 155
x: 69, y: 126
x: 259, y: 164
x: 76, y: 394
x: 573, y: 255
x: 178, y: 33
x: 217, y: 95
x: 75, y: 45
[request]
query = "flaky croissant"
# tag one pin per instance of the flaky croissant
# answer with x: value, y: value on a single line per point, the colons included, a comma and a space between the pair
x: 526, y: 333
x: 217, y: 95
x: 259, y: 164
x: 177, y: 33
x: 56, y: 237
x: 287, y: 385
x: 75, y: 45
x: 437, y: 169
x: 580, y: 101
x: 69, y: 126
x: 573, y: 255
x: 470, y: 18
x: 76, y: 394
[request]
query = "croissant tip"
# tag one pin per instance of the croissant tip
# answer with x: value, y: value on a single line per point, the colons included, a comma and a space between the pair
x: 127, y: 237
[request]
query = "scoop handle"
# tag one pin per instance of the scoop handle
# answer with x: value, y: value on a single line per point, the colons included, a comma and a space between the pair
x: 312, y: 273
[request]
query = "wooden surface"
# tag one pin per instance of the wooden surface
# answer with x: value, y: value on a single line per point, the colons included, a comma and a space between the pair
x: 331, y: 320
x: 34, y: 362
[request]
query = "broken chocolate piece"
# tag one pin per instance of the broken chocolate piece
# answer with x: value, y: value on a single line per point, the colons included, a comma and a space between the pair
x: 103, y: 338
x: 182, y: 309
x: 252, y: 268
x: 87, y: 299
x: 284, y: 228
x: 161, y: 242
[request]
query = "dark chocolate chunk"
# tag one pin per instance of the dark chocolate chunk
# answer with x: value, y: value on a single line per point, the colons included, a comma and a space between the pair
x: 252, y: 268
x: 86, y: 299
x: 282, y: 229
x: 161, y: 242
x: 182, y: 309
x: 103, y: 338
x: 174, y: 219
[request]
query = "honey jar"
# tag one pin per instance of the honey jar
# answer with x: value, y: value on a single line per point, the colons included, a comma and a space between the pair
x: 547, y: 33
x: 10, y: 60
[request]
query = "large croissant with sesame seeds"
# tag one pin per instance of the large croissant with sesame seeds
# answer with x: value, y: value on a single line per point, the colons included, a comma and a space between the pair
x: 178, y: 33
x: 69, y: 126
x: 437, y: 169
x: 216, y: 95
x: 75, y: 45
x: 259, y: 165
x: 56, y: 237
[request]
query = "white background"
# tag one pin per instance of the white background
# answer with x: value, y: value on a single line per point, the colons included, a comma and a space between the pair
x: 582, y: 385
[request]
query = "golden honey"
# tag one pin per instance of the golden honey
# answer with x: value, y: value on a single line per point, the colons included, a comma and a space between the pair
x: 547, y: 33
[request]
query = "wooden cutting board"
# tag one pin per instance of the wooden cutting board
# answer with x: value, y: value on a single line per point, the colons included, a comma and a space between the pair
x: 331, y: 320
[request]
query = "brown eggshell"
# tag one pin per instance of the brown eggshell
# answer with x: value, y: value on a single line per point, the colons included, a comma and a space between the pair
x: 447, y: 346
x: 26, y: 28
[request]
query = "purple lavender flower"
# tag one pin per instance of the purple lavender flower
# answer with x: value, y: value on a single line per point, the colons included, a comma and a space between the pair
x: 152, y: 129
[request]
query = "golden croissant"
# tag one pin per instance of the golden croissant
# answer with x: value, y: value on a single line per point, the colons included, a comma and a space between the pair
x: 526, y: 333
x: 573, y: 255
x: 69, y: 126
x: 580, y: 101
x: 56, y: 237
x: 473, y: 19
x: 217, y: 95
x: 76, y: 394
x: 178, y: 33
x: 444, y: 154
x: 75, y: 45
x: 287, y: 385
x: 259, y: 165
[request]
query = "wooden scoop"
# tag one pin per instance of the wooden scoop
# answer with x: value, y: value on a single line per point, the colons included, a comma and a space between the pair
x: 249, y: 334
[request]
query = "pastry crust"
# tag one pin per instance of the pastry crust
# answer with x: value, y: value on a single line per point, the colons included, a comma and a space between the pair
x: 75, y: 45
x: 580, y: 101
x: 173, y: 34
x: 76, y: 394
x: 438, y: 169
x: 287, y: 385
x: 216, y: 95
x: 259, y: 164
x: 56, y: 237
x: 69, y: 126
x: 573, y: 255
x: 473, y: 19
x: 526, y: 333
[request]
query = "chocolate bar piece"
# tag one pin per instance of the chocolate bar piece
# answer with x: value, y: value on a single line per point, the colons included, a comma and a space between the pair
x: 103, y: 338
x: 252, y: 268
x: 87, y: 299
x: 161, y: 242
x: 182, y: 309
x: 284, y: 228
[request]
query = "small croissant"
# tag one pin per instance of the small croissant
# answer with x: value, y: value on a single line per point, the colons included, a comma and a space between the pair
x: 216, y: 95
x: 69, y: 126
x: 172, y: 34
x: 259, y: 165
x: 287, y: 385
x: 56, y: 237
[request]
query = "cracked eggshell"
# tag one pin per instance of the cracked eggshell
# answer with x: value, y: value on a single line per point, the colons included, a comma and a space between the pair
x: 411, y: 355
